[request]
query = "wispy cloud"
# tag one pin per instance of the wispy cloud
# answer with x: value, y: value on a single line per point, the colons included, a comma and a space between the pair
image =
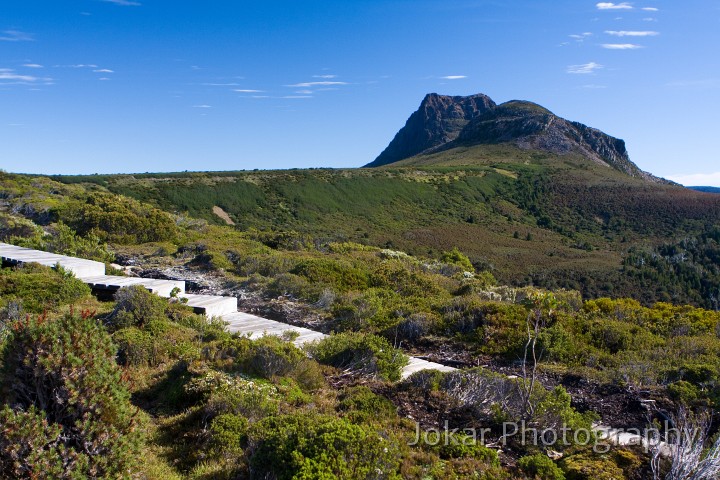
x: 581, y: 36
x: 593, y: 86
x: 78, y: 65
x: 297, y: 96
x: 584, y: 69
x: 697, y: 179
x: 316, y: 84
x: 32, y: 65
x: 325, y: 76
x: 8, y: 76
x: 454, y: 77
x: 651, y: 9
x: 614, y: 6
x: 220, y: 84
x: 246, y: 90
x: 626, y: 33
x: 621, y: 46
x: 124, y: 3
x: 202, y: 106
x: 304, y: 92
x: 15, y: 36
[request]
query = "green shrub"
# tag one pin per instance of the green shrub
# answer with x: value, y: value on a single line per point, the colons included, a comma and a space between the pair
x: 117, y: 219
x: 365, y: 354
x: 587, y: 466
x: 303, y: 446
x: 70, y: 413
x: 456, y: 257
x: 39, y: 288
x: 225, y: 393
x: 360, y: 404
x: 273, y: 357
x: 63, y: 240
x: 540, y: 467
x: 135, y: 307
x: 337, y: 273
x: 228, y: 435
x: 462, y: 446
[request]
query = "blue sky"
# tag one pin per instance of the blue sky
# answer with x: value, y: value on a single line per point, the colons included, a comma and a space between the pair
x: 97, y: 86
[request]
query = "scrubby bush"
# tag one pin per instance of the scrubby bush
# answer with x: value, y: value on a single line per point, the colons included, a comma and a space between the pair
x: 118, y: 219
x: 588, y: 466
x: 136, y: 307
x: 226, y: 393
x: 63, y: 240
x: 364, y: 354
x: 340, y: 274
x: 540, y: 467
x: 304, y: 446
x: 360, y: 404
x: 68, y: 413
x: 39, y: 288
x: 456, y: 257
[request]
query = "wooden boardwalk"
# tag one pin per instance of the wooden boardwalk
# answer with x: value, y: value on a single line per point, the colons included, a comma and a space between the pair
x: 226, y: 308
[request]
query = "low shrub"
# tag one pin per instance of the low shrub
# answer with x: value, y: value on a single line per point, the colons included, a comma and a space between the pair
x: 360, y: 405
x: 305, y: 446
x: 540, y: 467
x: 68, y: 412
x: 365, y: 354
x: 38, y: 288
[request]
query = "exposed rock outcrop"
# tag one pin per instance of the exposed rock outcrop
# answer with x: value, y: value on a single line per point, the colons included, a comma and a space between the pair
x: 444, y: 122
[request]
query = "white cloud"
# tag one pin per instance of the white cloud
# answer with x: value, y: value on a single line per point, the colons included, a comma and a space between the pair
x: 9, y: 76
x: 32, y: 65
x: 304, y: 92
x: 202, y: 106
x: 221, y: 84
x: 626, y: 33
x: 104, y: 70
x: 78, y: 65
x: 103, y: 79
x: 325, y: 76
x: 621, y: 46
x: 244, y: 90
x: 297, y: 96
x: 614, y: 6
x: 315, y: 84
x: 454, y: 77
x: 581, y: 36
x: 585, y: 69
x: 15, y: 36
x: 124, y: 3
x: 651, y: 9
x: 697, y: 179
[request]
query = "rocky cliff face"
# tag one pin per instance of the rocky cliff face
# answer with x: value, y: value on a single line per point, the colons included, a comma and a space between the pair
x: 439, y: 120
x: 444, y: 122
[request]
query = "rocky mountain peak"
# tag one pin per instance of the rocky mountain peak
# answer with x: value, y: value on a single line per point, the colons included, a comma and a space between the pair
x: 438, y: 120
x: 443, y: 122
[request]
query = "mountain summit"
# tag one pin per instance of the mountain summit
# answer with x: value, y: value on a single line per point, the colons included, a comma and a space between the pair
x: 444, y: 122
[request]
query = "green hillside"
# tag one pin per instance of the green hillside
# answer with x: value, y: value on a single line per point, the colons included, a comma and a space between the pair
x: 530, y: 217
x: 195, y: 402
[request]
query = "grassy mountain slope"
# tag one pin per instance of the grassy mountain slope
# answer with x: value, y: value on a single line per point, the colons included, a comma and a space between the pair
x: 532, y: 217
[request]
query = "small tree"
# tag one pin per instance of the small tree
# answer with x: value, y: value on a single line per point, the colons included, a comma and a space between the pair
x: 541, y: 306
x: 67, y: 412
x: 688, y: 457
